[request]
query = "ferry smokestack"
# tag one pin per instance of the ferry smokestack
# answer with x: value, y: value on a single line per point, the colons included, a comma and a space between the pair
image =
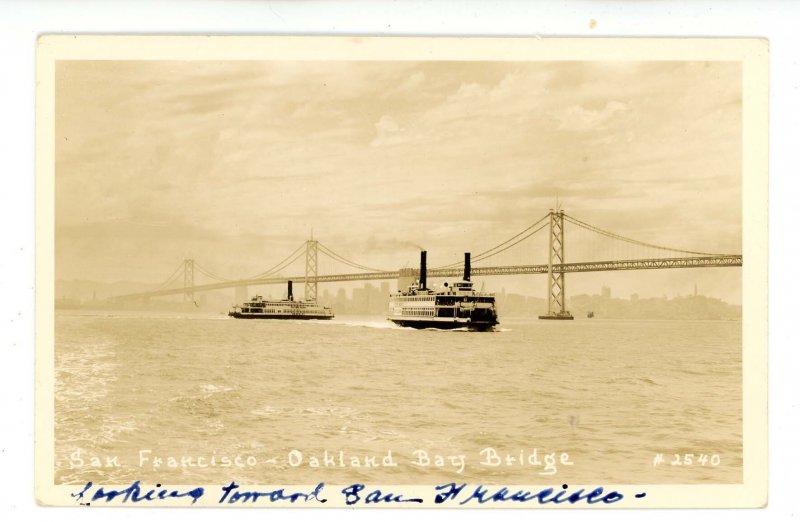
x: 423, y: 270
x: 467, y: 267
x: 290, y: 296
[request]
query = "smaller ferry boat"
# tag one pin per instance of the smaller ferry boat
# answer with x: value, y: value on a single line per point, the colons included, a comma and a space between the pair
x: 456, y: 306
x: 260, y: 308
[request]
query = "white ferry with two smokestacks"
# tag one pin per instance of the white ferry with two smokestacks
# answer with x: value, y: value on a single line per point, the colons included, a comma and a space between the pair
x: 260, y: 308
x: 450, y: 307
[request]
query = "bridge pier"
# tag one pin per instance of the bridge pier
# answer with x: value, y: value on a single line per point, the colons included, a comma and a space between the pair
x: 311, y: 270
x: 556, y: 288
x: 188, y: 280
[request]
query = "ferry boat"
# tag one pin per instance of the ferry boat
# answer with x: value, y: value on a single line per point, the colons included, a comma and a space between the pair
x: 456, y: 306
x: 259, y: 308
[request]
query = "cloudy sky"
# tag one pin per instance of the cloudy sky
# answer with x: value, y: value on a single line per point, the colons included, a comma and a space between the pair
x: 235, y: 163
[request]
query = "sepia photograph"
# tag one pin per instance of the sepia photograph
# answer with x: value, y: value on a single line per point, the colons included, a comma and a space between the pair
x: 430, y: 272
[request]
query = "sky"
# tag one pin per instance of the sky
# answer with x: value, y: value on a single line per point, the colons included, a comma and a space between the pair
x: 235, y: 164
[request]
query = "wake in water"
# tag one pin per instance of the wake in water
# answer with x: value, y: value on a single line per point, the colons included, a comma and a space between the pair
x: 464, y: 329
x: 381, y: 324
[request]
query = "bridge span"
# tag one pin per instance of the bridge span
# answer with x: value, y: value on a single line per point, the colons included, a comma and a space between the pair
x: 556, y: 268
x: 566, y: 268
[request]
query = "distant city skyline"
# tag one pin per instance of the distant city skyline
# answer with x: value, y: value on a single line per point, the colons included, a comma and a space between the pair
x: 234, y: 164
x: 364, y: 297
x: 371, y: 300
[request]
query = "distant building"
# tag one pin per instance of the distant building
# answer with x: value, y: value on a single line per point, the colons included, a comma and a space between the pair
x: 326, y: 298
x: 359, y: 300
x: 605, y: 292
x: 341, y: 304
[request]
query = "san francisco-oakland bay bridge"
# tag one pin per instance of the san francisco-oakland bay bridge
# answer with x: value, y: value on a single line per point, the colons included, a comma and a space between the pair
x: 606, y: 251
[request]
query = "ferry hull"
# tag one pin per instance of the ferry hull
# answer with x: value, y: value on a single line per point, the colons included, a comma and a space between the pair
x: 451, y: 307
x: 260, y: 308
x: 238, y: 315
x: 443, y: 325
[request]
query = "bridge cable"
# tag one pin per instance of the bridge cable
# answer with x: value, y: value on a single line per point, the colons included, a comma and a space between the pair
x: 279, y: 266
x: 167, y: 281
x: 336, y: 257
x: 215, y: 277
x: 277, y: 269
x: 209, y: 274
x: 481, y: 258
x: 612, y: 235
x: 486, y: 254
x: 283, y: 264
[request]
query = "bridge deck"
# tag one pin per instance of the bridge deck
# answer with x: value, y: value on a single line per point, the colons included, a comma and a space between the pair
x: 595, y: 266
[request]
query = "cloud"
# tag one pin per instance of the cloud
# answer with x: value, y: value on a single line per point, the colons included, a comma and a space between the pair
x: 452, y: 155
x: 410, y: 86
x: 388, y: 132
x: 575, y: 118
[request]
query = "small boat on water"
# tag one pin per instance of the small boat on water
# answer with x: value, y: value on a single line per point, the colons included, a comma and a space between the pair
x: 260, y: 308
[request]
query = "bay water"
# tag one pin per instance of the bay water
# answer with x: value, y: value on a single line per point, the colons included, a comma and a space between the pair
x: 205, y: 399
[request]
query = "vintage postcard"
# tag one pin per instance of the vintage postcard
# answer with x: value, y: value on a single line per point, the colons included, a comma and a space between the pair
x: 401, y: 272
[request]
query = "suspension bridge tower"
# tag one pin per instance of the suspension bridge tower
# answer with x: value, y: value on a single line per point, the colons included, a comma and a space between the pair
x: 555, y: 276
x: 311, y: 269
x: 188, y: 280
